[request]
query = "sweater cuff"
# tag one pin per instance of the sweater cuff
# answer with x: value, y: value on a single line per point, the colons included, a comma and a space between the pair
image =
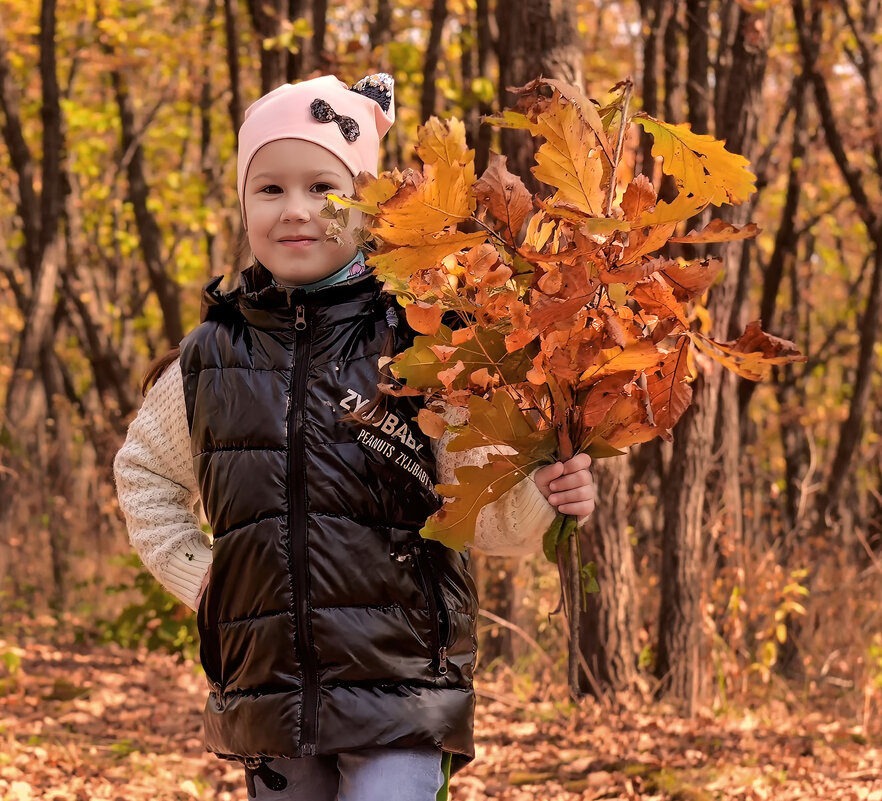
x: 186, y: 568
x: 532, y: 511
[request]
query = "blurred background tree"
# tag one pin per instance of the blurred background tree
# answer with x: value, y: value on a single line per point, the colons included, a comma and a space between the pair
x: 745, y: 552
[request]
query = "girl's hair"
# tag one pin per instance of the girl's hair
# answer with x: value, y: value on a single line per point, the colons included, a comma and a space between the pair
x: 158, y: 366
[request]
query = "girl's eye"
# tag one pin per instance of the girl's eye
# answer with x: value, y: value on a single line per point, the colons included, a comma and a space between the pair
x: 322, y: 188
x: 272, y: 189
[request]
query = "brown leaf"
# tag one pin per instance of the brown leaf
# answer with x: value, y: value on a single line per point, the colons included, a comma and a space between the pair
x: 751, y: 355
x: 630, y: 273
x: 775, y: 350
x: 718, y: 231
x: 658, y: 298
x: 601, y: 396
x: 639, y: 197
x: 669, y: 392
x: 691, y: 279
x: 505, y: 196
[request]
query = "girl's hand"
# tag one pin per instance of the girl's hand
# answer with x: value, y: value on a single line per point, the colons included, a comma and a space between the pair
x: 568, y: 486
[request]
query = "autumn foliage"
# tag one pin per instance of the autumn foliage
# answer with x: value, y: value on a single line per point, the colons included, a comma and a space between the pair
x: 554, y: 319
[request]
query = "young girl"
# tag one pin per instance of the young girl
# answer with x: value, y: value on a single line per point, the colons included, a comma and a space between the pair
x: 338, y: 645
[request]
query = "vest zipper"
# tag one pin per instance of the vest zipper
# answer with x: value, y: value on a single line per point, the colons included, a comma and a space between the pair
x: 439, y: 619
x: 298, y: 553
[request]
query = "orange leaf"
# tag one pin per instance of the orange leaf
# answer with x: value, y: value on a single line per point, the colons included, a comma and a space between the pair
x: 642, y: 241
x: 461, y: 335
x: 403, y: 262
x: 448, y: 376
x: 483, y: 379
x: 431, y: 424
x: 443, y: 352
x: 536, y: 374
x: 519, y: 338
x: 641, y: 355
x: 423, y: 317
x: 568, y: 159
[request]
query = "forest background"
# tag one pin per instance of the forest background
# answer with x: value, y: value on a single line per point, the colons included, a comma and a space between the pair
x: 741, y: 560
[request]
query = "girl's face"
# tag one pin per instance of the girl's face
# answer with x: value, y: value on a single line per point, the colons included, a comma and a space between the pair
x: 284, y: 192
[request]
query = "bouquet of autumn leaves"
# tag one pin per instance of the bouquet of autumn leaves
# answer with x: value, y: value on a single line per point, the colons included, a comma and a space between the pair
x: 570, y: 333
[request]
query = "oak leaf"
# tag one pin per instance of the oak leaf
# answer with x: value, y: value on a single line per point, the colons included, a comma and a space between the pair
x: 568, y: 159
x: 669, y: 392
x: 718, y: 231
x: 498, y: 422
x: 699, y: 162
x: 505, y: 196
x: 691, y: 279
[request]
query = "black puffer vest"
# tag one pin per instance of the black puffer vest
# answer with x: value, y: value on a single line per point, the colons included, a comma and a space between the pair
x: 329, y: 625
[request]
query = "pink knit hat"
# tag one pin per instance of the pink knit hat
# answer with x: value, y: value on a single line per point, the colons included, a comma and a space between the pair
x: 347, y: 122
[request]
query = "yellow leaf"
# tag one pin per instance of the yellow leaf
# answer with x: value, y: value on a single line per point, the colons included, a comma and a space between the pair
x: 405, y: 261
x: 700, y: 165
x: 444, y: 142
x: 568, y: 160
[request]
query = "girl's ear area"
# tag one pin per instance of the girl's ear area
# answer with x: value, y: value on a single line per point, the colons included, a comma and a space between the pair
x: 379, y: 87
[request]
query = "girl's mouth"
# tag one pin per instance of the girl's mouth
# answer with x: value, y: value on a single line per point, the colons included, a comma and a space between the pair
x: 296, y: 243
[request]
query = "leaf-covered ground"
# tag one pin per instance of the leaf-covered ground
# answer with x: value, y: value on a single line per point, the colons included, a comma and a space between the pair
x: 81, y: 723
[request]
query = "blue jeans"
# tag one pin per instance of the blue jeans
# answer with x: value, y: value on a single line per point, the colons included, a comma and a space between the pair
x: 374, y: 774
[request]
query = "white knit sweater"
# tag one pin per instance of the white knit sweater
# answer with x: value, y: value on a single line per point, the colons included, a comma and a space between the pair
x: 159, y: 496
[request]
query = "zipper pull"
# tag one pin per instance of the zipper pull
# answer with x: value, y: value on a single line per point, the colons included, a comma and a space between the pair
x: 442, y: 661
x: 300, y: 318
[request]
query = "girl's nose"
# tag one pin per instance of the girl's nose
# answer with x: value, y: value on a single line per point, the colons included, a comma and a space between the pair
x: 293, y: 210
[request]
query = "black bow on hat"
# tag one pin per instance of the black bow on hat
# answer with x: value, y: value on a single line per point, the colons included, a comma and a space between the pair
x: 323, y: 112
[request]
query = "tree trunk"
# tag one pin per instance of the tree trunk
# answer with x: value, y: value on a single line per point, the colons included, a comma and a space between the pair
x: 320, y: 61
x: 535, y: 38
x: 654, y: 14
x: 485, y: 51
x: 611, y: 618
x: 681, y: 649
x: 266, y: 18
x: 150, y: 237
x: 809, y: 35
x: 697, y: 64
x: 48, y: 249
x: 231, y: 28
x: 428, y: 100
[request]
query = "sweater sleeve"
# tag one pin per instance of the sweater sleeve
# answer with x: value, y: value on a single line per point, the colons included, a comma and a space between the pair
x: 514, y: 524
x: 158, y: 493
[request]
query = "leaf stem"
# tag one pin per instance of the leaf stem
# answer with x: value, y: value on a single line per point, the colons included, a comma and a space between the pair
x: 629, y: 87
x: 575, y: 613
